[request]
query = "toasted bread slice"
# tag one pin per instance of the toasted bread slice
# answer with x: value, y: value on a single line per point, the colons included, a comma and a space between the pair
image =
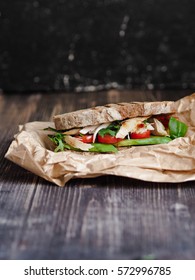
x: 111, y: 112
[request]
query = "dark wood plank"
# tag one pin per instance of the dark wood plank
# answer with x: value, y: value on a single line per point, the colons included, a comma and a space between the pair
x: 102, y: 218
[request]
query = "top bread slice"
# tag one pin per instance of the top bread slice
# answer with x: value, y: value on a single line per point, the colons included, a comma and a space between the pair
x: 111, y: 112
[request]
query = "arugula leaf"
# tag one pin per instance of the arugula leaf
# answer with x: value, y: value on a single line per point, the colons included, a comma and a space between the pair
x: 60, y: 146
x: 112, y: 129
x: 105, y: 131
x: 57, y: 139
x: 177, y: 128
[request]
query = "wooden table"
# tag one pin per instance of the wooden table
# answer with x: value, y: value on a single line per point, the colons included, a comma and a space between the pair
x: 102, y: 218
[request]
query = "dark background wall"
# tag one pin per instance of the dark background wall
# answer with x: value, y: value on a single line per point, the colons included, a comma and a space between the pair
x: 96, y: 44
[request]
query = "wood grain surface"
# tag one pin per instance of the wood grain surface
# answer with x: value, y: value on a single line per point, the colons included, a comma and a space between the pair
x: 101, y: 218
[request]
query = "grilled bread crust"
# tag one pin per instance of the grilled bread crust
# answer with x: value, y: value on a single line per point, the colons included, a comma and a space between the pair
x: 111, y: 112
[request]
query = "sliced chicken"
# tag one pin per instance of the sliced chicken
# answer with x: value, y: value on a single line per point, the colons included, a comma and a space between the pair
x: 129, y: 125
x: 159, y: 129
x: 76, y: 143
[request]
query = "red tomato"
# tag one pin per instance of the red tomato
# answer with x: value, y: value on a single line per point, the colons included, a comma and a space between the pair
x: 108, y: 139
x: 135, y: 135
x: 164, y: 119
x: 88, y: 138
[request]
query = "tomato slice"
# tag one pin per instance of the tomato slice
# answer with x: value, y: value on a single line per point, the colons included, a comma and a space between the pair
x: 108, y: 139
x: 88, y: 138
x: 135, y: 135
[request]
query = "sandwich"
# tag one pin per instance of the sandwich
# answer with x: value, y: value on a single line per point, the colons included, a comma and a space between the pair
x: 107, y: 129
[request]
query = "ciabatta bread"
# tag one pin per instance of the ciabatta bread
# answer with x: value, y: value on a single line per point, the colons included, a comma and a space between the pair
x: 111, y: 112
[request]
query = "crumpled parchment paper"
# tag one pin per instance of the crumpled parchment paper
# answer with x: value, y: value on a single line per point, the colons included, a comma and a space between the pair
x: 172, y: 162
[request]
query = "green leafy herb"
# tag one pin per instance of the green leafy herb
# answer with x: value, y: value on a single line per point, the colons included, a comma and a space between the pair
x: 58, y: 140
x: 112, y: 129
x: 105, y: 131
x: 177, y: 128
